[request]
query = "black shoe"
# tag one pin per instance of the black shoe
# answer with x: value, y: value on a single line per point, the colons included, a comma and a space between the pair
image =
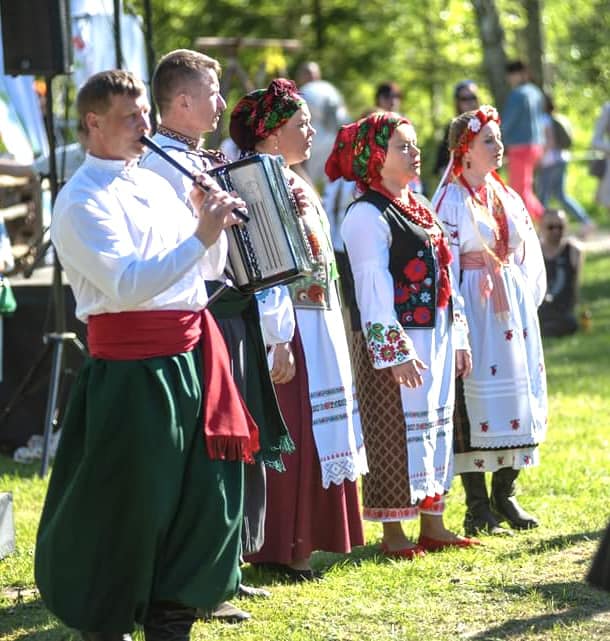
x: 508, y: 509
x: 485, y: 523
x: 227, y: 613
x: 504, y: 502
x: 250, y: 592
x: 169, y: 622
x: 106, y: 636
x: 292, y: 574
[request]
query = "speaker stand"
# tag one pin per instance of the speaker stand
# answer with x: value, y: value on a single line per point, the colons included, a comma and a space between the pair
x: 57, y: 339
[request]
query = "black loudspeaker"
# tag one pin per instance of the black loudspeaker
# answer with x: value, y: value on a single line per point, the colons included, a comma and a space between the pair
x: 23, y: 347
x: 36, y: 36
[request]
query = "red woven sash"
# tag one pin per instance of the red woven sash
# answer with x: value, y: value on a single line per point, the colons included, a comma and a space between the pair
x: 230, y: 431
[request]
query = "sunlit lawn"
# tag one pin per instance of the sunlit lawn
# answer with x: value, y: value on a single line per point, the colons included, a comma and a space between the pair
x: 526, y: 587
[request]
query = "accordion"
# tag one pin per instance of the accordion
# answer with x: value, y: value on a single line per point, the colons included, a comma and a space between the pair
x: 272, y: 248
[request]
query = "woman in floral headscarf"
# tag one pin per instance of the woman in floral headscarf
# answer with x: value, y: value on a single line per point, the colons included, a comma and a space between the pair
x: 502, y: 411
x: 405, y: 358
x: 314, y: 504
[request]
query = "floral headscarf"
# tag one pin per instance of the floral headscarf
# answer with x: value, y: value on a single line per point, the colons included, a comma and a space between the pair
x: 360, y: 149
x: 359, y: 154
x: 483, y: 115
x: 259, y: 113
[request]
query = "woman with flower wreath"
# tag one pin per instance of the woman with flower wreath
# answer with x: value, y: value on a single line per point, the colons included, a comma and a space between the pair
x: 502, y: 411
x: 314, y: 504
x: 412, y: 342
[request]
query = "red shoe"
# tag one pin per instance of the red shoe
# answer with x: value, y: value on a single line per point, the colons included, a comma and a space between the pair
x: 434, y: 545
x: 403, y: 553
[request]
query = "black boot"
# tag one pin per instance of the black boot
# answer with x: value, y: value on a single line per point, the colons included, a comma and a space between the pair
x: 168, y: 622
x: 105, y: 636
x: 479, y: 517
x: 504, y: 502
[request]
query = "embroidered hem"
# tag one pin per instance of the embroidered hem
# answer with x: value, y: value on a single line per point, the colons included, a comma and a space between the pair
x: 344, y: 466
x: 390, y: 514
x: 388, y: 345
x: 334, y: 416
x: 507, y: 440
x: 493, y: 460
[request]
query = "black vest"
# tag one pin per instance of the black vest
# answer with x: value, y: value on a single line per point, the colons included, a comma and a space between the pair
x: 412, y: 266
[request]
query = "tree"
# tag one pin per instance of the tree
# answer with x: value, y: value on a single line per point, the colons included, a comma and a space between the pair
x: 535, y: 40
x: 492, y: 40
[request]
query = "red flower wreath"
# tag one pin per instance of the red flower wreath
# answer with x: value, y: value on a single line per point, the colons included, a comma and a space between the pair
x: 485, y: 114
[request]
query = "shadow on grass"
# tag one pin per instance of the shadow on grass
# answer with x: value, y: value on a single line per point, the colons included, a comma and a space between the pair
x: 558, y: 542
x: 22, y: 620
x: 322, y: 562
x: 577, y: 601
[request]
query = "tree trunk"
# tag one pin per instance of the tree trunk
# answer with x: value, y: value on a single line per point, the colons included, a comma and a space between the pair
x: 492, y: 40
x: 318, y: 25
x: 535, y: 40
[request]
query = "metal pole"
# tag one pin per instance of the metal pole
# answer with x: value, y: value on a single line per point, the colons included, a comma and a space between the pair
x: 118, y: 49
x: 56, y: 367
x: 150, y: 57
x: 58, y: 290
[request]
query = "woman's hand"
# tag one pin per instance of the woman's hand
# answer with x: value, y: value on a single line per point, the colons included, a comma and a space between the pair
x: 283, y: 369
x: 463, y: 362
x: 409, y: 373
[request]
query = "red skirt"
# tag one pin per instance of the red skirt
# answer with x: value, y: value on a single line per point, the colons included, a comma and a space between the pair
x: 301, y: 515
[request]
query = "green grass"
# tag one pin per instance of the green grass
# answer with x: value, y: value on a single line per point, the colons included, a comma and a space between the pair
x: 526, y: 587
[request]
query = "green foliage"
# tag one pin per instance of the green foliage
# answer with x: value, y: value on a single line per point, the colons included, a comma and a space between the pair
x: 426, y: 47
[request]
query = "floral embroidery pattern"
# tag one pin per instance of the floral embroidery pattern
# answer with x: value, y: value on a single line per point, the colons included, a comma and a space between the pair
x: 479, y: 463
x: 500, y: 460
x: 312, y: 290
x: 508, y: 334
x: 387, y: 345
x: 413, y: 293
x: 484, y: 426
x: 264, y: 110
x: 416, y: 270
x: 315, y: 293
x: 494, y: 370
x: 515, y: 423
x: 422, y: 315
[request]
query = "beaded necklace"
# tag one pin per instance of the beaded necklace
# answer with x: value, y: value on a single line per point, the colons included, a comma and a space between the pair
x: 412, y: 209
x: 417, y: 213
